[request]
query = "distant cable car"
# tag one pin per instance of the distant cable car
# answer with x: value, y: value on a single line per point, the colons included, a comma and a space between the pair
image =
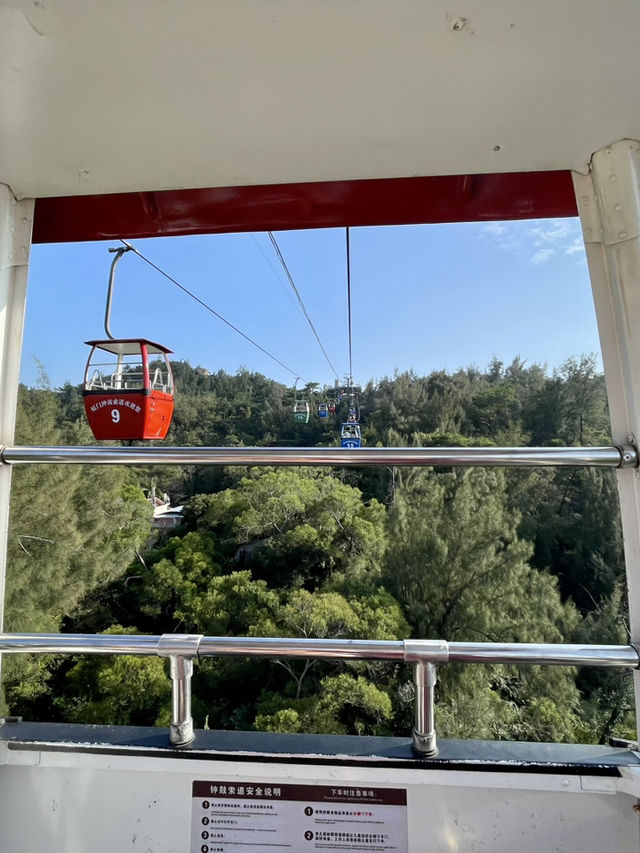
x: 350, y: 435
x: 128, y: 383
x: 323, y: 410
x: 332, y: 407
x: 354, y: 408
x: 301, y: 409
x: 301, y: 412
x: 128, y: 389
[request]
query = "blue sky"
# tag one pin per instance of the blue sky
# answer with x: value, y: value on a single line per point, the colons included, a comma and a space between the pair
x: 423, y: 297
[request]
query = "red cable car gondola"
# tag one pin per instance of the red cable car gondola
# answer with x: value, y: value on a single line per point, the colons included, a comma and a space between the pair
x: 128, y: 383
x: 128, y: 389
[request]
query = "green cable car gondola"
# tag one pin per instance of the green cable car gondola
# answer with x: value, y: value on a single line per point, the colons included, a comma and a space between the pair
x: 301, y: 412
x: 301, y: 408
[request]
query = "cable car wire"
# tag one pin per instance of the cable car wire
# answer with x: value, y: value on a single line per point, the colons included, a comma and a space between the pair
x: 349, y: 307
x: 210, y: 309
x: 278, y: 277
x: 304, y: 310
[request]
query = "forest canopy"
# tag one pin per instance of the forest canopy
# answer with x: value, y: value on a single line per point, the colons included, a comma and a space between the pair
x: 523, y: 555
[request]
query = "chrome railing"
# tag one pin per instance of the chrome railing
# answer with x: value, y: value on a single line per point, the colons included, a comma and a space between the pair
x: 424, y: 655
x: 594, y: 457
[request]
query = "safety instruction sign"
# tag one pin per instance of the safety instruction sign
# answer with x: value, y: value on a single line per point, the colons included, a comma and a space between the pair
x: 255, y: 816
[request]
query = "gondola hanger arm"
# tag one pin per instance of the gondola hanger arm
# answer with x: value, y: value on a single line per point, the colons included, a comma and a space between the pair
x: 119, y: 252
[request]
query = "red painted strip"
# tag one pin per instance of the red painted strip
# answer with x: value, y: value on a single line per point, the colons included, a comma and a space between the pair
x: 394, y: 201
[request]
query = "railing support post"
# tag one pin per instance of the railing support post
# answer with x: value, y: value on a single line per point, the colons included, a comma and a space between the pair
x: 180, y: 649
x: 181, y: 731
x: 424, y: 732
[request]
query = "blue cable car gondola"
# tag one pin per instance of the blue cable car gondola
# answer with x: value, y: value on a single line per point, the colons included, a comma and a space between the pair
x: 350, y: 435
x: 323, y: 410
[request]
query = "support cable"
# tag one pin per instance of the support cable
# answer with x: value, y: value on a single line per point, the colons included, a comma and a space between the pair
x: 349, y: 308
x: 304, y: 310
x: 209, y: 308
x: 277, y: 276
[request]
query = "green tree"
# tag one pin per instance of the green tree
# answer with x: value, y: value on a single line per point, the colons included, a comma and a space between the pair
x: 123, y: 690
x: 330, y: 614
x: 72, y: 531
x: 461, y: 573
x: 607, y: 706
x: 304, y: 552
x: 298, y: 524
x: 585, y: 403
x: 344, y: 704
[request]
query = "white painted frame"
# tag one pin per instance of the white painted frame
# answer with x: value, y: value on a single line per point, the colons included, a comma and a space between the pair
x: 16, y: 222
x: 609, y: 207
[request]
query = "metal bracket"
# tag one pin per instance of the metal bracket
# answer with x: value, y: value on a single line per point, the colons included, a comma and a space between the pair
x: 618, y: 197
x: 592, y: 229
x: 185, y: 645
x: 426, y: 651
x: 628, y: 456
x: 17, y: 235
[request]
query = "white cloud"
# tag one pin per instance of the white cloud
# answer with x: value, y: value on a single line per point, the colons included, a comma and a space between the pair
x: 575, y: 247
x: 546, y: 238
x: 513, y: 245
x: 494, y: 229
x: 553, y: 232
x: 542, y: 256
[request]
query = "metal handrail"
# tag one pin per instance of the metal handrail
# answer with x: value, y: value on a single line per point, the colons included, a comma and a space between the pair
x: 425, y: 655
x: 406, y: 651
x: 595, y: 457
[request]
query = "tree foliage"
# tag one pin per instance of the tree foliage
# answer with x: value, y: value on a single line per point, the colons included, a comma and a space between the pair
x: 526, y: 555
